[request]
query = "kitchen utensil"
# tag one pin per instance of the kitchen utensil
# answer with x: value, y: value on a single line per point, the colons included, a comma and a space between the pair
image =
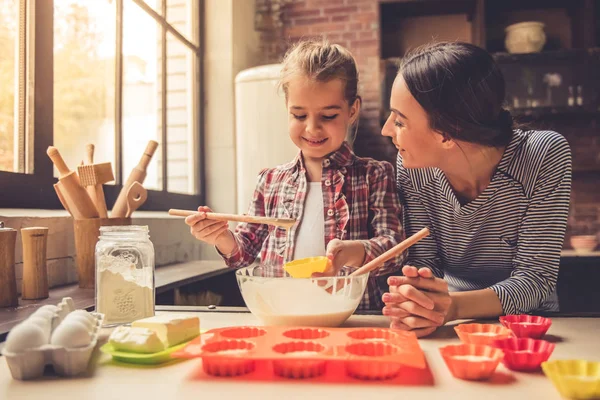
x: 138, y: 174
x: 35, y: 274
x: 79, y: 202
x: 281, y: 222
x: 366, y: 354
x: 94, y: 176
x: 8, y: 281
x: 471, y: 361
x: 524, y: 354
x: 391, y: 253
x: 62, y: 199
x: 277, y: 299
x: 574, y: 379
x: 136, y: 196
x: 305, y: 267
x: 483, y: 334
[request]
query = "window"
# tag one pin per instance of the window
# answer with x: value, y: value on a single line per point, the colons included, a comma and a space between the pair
x: 123, y: 72
x: 9, y: 42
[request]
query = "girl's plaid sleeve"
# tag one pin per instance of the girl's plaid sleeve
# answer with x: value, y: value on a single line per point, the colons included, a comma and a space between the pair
x: 385, y: 216
x: 250, y: 237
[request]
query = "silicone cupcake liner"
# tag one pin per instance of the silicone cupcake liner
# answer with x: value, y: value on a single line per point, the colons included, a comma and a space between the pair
x: 296, y: 352
x: 527, y: 326
x: 482, y: 334
x: 524, y: 354
x: 574, y: 379
x: 372, y: 371
x: 299, y: 366
x: 223, y: 358
x: 471, y: 361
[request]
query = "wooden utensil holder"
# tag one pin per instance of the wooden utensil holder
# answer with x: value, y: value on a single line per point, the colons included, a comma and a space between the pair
x: 8, y: 281
x: 87, y: 232
x: 35, y: 273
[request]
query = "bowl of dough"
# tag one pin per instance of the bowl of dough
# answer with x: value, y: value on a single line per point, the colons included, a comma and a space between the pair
x: 276, y: 298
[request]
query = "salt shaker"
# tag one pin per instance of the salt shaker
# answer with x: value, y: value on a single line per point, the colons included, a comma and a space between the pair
x: 35, y: 274
x: 8, y: 281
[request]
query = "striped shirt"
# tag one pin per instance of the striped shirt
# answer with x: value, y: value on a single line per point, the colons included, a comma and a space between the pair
x: 359, y: 203
x: 509, y: 238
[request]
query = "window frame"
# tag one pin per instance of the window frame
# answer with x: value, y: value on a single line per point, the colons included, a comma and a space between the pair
x: 35, y: 190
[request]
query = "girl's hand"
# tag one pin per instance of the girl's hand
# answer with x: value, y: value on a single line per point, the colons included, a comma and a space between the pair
x: 343, y: 253
x: 210, y: 231
x: 418, y: 301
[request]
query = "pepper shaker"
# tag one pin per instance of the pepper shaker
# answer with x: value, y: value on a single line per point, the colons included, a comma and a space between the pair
x: 8, y: 281
x: 35, y: 275
x: 579, y: 99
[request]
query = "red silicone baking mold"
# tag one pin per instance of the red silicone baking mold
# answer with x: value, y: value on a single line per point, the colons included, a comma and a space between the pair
x: 528, y: 326
x: 328, y: 354
x: 524, y: 354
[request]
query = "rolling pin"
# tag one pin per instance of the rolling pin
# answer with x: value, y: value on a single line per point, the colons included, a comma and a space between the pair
x: 78, y: 200
x: 35, y: 274
x: 138, y: 174
x: 8, y: 280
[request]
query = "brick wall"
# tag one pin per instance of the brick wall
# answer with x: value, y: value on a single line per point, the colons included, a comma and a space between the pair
x: 353, y: 24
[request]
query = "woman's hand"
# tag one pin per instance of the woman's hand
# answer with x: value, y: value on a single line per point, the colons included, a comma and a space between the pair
x: 213, y: 232
x: 418, y: 301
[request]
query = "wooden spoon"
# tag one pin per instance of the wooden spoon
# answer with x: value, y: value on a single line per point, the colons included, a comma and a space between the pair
x: 391, y: 253
x: 380, y: 260
x: 136, y: 196
x: 286, y: 223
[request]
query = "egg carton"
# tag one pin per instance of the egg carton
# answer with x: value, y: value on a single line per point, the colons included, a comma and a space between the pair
x: 29, y: 363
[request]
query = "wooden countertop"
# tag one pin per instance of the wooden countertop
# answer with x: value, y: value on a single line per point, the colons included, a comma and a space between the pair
x: 575, y: 337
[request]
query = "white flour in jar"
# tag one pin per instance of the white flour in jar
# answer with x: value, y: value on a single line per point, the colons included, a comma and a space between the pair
x: 124, y: 293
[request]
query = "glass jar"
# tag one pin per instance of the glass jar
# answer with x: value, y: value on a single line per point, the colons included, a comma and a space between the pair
x: 124, y: 274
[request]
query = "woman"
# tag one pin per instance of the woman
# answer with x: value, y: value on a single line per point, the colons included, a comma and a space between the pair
x: 495, y: 198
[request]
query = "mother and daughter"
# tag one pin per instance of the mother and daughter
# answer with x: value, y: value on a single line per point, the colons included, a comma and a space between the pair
x: 494, y: 197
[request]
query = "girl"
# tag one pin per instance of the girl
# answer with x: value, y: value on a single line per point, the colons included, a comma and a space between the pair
x: 347, y: 207
x: 496, y: 198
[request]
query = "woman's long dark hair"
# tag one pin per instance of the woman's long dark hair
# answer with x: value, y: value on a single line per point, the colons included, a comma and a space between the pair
x: 462, y: 91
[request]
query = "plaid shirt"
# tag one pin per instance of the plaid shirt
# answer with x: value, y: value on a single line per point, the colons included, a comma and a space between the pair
x: 360, y: 203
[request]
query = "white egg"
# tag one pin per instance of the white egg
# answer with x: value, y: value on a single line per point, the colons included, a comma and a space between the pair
x: 49, y: 307
x: 71, y: 334
x: 25, y: 336
x: 44, y: 313
x: 78, y: 317
x: 85, y: 314
x: 44, y: 323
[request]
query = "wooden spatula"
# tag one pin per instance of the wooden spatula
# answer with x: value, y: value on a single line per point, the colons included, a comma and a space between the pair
x: 281, y: 222
x: 136, y: 196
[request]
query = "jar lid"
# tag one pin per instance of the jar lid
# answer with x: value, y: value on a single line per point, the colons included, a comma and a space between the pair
x: 124, y: 228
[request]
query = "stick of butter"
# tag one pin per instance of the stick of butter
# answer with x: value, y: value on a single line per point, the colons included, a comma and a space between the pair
x: 172, y: 329
x: 135, y: 340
